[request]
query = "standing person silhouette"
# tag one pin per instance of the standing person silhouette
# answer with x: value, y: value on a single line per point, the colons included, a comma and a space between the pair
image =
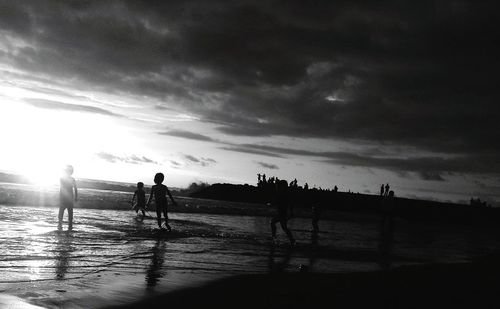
x: 387, y: 189
x: 160, y: 191
x: 382, y: 190
x: 140, y: 202
x: 281, y: 203
x: 68, y: 195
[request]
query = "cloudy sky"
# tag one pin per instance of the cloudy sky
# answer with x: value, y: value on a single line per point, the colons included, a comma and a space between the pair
x: 339, y: 93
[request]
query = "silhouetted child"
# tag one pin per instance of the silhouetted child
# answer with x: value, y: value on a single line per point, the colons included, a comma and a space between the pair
x: 68, y: 194
x: 280, y: 201
x: 160, y: 191
x: 140, y: 203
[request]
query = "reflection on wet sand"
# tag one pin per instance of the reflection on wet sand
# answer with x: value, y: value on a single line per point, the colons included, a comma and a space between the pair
x: 63, y: 250
x: 155, y: 271
x: 275, y: 265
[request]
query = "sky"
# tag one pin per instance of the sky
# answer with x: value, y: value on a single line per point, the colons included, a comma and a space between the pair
x: 346, y: 93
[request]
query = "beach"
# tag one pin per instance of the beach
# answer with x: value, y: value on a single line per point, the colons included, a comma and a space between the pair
x: 113, y: 259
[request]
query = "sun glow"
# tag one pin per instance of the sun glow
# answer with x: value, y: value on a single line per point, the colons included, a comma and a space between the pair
x: 38, y: 143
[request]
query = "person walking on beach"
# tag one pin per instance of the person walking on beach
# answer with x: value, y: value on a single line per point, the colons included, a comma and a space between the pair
x: 140, y: 203
x: 315, y: 218
x: 387, y: 187
x: 280, y: 201
x: 68, y: 195
x: 160, y: 191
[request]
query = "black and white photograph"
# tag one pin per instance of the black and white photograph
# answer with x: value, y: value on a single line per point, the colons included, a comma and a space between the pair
x: 249, y: 154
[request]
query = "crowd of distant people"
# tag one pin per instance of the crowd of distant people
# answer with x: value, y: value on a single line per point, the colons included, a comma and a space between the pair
x: 477, y: 202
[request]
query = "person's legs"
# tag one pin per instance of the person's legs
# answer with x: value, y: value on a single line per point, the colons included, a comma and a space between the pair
x: 315, y: 225
x: 273, y: 226
x: 70, y: 217
x: 61, y: 213
x: 158, y: 215
x: 287, y: 231
x: 60, y: 216
x: 165, y: 213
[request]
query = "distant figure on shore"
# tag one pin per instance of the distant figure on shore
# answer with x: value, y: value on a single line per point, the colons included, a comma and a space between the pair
x: 160, y: 191
x: 335, y: 189
x: 382, y: 190
x: 68, y: 195
x: 306, y: 186
x: 315, y: 212
x: 281, y: 202
x: 140, y: 203
x: 387, y: 189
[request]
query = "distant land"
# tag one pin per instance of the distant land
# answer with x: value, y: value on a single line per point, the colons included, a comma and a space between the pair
x: 303, y: 200
x: 82, y: 183
x: 412, y: 209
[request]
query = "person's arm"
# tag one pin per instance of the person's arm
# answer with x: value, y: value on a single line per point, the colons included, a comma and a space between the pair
x: 76, y: 190
x: 171, y: 197
x: 150, y: 196
x: 133, y: 197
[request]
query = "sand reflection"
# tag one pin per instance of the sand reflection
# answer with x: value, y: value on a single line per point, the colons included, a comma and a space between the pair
x: 154, y: 272
x: 63, y: 250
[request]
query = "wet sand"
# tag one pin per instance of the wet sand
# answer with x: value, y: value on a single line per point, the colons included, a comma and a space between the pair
x: 461, y: 285
x: 110, y: 258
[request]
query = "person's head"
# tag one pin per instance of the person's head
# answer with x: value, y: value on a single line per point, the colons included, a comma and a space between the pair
x: 68, y: 170
x: 140, y: 185
x: 159, y: 177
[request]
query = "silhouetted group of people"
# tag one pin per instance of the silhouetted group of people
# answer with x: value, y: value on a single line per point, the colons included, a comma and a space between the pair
x: 68, y: 195
x: 478, y: 202
x: 384, y: 190
x: 283, y: 196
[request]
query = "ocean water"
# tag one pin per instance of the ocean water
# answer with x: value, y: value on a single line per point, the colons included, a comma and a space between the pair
x: 116, y: 258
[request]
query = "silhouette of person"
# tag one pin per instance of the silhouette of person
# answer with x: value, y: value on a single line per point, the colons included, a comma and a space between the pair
x: 335, y: 189
x: 382, y: 190
x: 306, y: 186
x: 159, y: 192
x: 387, y: 189
x: 140, y: 204
x: 68, y: 194
x: 264, y: 178
x: 315, y: 212
x: 280, y: 201
x: 258, y: 179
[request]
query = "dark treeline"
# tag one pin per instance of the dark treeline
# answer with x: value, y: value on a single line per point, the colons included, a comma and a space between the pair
x: 410, y: 209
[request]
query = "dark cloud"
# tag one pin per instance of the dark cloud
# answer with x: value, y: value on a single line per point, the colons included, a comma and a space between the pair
x: 187, y: 135
x: 421, y: 74
x: 268, y: 165
x: 250, y: 150
x: 49, y: 104
x: 133, y: 159
x: 428, y: 167
x: 434, y: 176
x: 199, y: 161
